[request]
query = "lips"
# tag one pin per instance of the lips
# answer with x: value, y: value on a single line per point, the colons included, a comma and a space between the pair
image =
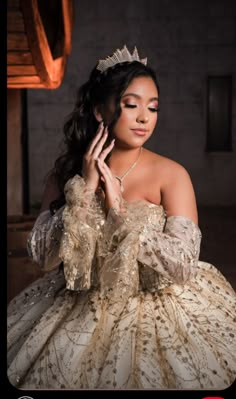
x: 139, y: 132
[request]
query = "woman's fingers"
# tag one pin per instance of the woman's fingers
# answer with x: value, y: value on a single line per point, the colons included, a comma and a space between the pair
x: 105, y: 152
x: 96, y: 138
x: 96, y: 146
x: 99, y: 145
x: 105, y: 170
x: 112, y: 188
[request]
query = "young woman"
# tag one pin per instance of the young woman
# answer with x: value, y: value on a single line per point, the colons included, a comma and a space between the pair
x: 131, y: 306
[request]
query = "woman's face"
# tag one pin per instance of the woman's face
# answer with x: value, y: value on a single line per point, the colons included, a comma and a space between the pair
x: 139, y: 113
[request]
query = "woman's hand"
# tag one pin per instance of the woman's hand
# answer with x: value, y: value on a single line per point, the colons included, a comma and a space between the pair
x: 90, y: 170
x: 113, y: 195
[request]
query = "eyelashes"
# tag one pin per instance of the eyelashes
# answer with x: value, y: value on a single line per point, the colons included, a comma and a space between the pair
x: 130, y: 106
x: 152, y: 109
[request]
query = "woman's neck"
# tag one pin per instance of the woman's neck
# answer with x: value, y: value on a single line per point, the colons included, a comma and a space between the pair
x: 122, y: 158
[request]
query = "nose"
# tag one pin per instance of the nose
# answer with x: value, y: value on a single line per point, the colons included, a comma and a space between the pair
x: 142, y: 117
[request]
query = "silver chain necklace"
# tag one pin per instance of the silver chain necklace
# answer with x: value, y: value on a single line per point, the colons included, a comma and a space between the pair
x: 120, y: 179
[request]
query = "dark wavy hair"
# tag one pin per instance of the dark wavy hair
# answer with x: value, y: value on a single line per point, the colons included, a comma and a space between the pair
x: 81, y: 125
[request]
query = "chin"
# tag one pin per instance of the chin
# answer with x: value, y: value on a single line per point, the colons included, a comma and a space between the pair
x: 134, y: 143
x: 139, y: 141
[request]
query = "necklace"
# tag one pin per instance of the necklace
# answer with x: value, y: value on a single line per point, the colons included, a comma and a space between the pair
x: 121, y: 178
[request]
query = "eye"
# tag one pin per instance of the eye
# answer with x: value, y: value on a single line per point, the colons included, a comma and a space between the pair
x: 153, y: 109
x: 130, y: 105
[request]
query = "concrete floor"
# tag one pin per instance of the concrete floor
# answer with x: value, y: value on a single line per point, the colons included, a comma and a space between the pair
x: 218, y: 226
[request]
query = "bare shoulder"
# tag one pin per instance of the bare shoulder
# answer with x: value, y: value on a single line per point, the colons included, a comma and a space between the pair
x: 168, y: 168
x: 177, y: 192
x: 173, y: 171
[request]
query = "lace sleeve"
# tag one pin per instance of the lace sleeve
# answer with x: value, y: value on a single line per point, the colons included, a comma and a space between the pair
x: 82, y: 218
x: 44, y: 239
x: 174, y: 252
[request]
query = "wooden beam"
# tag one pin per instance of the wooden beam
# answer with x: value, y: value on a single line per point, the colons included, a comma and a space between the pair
x: 27, y: 44
x: 19, y: 58
x: 37, y: 40
x: 23, y: 79
x: 26, y: 85
x: 67, y: 11
x: 17, y: 41
x: 15, y: 22
x: 21, y: 70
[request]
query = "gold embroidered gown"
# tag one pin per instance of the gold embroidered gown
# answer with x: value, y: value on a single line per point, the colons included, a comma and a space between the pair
x: 133, y: 309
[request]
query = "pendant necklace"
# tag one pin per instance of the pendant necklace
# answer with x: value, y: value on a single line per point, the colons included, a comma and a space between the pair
x: 120, y: 179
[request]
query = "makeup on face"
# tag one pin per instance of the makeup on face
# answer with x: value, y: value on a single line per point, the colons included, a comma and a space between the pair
x: 139, y: 113
x: 133, y: 100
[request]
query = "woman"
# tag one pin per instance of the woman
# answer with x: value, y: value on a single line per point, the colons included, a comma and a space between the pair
x: 133, y: 306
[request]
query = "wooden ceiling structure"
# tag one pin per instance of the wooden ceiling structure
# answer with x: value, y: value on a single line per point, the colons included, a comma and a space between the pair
x: 38, y: 42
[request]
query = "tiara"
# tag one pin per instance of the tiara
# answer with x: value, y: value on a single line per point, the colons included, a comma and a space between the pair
x: 118, y: 57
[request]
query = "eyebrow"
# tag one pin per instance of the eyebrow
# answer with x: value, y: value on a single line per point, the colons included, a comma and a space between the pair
x: 137, y: 96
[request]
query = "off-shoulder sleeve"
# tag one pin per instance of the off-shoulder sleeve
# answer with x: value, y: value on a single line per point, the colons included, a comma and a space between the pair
x: 82, y: 219
x: 44, y: 240
x: 174, y: 252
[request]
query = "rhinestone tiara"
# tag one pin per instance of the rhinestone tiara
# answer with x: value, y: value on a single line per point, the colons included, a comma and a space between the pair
x: 118, y: 57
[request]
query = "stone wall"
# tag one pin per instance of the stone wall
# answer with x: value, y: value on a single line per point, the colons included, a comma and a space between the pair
x: 14, y: 153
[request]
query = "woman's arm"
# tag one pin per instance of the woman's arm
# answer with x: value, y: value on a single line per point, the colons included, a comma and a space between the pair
x: 178, y: 198
x: 174, y: 252
x: 82, y: 221
x: 44, y: 239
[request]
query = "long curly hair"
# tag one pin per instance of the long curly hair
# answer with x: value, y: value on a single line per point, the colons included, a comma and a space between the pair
x: 81, y: 125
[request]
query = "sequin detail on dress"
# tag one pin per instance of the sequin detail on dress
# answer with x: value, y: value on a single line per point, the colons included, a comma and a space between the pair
x: 142, y: 312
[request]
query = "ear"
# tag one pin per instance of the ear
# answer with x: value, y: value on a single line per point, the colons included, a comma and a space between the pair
x: 97, y: 113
